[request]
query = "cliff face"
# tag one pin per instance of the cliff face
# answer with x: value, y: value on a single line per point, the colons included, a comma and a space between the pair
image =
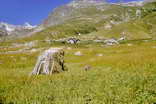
x: 93, y: 9
x: 98, y: 18
x: 74, y: 9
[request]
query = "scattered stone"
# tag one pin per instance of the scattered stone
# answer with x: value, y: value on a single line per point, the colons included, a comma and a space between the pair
x: 122, y: 38
x: 129, y: 44
x: 100, y: 55
x: 49, y: 62
x: 87, y: 67
x: 79, y: 34
x: 111, y: 42
x: 98, y: 41
x: 108, y: 26
x: 78, y: 53
x: 73, y: 41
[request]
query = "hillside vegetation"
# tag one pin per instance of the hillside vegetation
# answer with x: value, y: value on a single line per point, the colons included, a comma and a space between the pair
x: 111, y: 22
x: 124, y: 73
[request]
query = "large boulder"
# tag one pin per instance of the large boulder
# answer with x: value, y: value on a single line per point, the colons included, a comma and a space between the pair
x: 49, y: 62
x: 73, y: 41
x: 111, y: 42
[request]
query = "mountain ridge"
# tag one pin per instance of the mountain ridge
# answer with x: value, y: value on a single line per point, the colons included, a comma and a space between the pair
x: 96, y: 19
x: 10, y: 29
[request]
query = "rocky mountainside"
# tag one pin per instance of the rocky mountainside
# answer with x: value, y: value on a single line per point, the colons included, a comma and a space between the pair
x: 98, y: 18
x: 8, y: 29
x: 94, y: 19
x: 90, y: 9
x: 75, y: 9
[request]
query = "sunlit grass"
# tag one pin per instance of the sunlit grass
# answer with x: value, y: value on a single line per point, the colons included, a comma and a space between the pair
x: 124, y: 74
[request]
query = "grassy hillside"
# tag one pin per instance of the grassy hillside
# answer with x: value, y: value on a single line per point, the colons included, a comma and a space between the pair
x: 91, y: 23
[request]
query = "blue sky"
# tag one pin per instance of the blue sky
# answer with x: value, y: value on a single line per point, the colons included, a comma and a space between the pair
x: 32, y: 11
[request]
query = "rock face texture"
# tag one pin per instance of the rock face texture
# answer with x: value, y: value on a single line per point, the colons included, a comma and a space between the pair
x: 49, y: 62
x: 16, y: 30
x: 91, y: 9
x: 74, y: 9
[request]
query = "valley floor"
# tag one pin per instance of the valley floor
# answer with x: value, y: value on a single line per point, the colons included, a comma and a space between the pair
x: 120, y: 74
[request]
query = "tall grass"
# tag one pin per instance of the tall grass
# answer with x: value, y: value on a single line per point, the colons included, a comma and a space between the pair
x: 123, y: 75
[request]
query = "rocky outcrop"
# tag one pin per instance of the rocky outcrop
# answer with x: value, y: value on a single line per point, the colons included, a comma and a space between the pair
x: 70, y: 11
x: 73, y: 41
x: 91, y: 9
x: 49, y: 62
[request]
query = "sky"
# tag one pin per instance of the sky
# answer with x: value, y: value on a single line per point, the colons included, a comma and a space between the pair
x: 19, y: 12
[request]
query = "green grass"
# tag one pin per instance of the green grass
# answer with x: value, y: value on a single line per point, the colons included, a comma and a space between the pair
x: 90, y: 22
x: 123, y: 75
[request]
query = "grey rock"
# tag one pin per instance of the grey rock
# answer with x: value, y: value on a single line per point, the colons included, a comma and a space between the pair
x: 87, y: 67
x: 49, y: 62
x: 111, y: 42
x: 122, y: 39
x: 73, y: 41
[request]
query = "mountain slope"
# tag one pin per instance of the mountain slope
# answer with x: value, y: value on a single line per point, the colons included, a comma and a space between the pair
x: 99, y: 20
x: 15, y: 30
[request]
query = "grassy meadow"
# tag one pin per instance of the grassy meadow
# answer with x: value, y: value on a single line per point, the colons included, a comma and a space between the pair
x: 120, y: 74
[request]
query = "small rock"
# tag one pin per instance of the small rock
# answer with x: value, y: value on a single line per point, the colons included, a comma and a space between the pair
x: 73, y: 41
x: 108, y: 26
x: 30, y: 44
x: 129, y: 44
x: 87, y: 67
x: 78, y: 53
x: 122, y: 38
x: 111, y: 42
x: 98, y: 41
x: 100, y: 55
x: 79, y: 34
